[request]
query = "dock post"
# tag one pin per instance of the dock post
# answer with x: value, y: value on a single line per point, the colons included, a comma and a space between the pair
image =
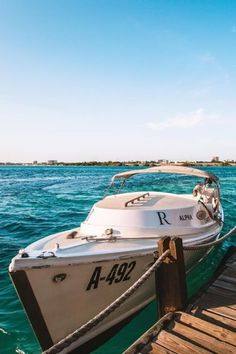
x: 170, y: 277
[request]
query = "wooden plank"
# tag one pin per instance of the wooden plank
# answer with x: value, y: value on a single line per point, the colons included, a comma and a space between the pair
x: 224, y: 311
x: 232, y: 265
x: 154, y: 348
x: 202, y: 339
x: 227, y: 279
x: 217, y: 319
x: 224, y: 285
x: 172, y: 342
x: 219, y: 300
x: 222, y: 319
x: 211, y: 329
x: 210, y: 300
x: 230, y: 272
x: 222, y: 292
x: 231, y: 260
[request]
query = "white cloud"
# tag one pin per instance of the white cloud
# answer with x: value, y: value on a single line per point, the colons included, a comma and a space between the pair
x: 182, y: 120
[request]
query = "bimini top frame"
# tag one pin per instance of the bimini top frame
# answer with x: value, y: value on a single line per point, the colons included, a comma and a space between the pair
x: 168, y: 169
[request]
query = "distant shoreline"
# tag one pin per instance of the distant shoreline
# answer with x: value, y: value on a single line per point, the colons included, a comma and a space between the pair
x: 125, y: 164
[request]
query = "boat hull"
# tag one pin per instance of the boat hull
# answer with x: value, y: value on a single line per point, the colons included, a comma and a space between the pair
x: 60, y: 299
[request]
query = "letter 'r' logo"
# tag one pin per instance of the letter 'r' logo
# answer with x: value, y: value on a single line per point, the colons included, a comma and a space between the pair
x: 162, y: 218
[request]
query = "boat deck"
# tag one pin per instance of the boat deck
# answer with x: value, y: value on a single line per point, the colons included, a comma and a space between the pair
x: 147, y: 200
x: 207, y: 326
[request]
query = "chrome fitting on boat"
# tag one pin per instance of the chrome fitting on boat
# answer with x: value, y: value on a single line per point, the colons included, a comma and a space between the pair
x: 72, y: 234
x: 46, y: 254
x: 201, y: 215
x: 59, y: 277
x: 23, y: 254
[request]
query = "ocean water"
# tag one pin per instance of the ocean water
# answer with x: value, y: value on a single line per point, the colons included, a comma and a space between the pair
x: 38, y: 201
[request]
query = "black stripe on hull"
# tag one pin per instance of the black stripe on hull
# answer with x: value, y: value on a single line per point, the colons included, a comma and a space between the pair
x: 32, y: 308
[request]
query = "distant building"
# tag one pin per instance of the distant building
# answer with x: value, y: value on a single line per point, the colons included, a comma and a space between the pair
x: 52, y: 162
x: 35, y: 162
x: 215, y: 159
x: 163, y: 161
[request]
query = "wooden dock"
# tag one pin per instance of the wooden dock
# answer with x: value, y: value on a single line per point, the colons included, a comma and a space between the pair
x: 208, y: 324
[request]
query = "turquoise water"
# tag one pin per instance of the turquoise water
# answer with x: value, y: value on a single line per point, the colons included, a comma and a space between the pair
x: 38, y: 201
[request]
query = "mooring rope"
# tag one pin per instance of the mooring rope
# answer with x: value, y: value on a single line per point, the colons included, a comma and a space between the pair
x: 210, y: 244
x: 80, y: 332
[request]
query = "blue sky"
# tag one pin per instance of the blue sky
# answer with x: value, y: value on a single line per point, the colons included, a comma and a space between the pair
x: 117, y: 80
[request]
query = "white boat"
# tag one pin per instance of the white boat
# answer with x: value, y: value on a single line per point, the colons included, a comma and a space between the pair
x: 65, y: 279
